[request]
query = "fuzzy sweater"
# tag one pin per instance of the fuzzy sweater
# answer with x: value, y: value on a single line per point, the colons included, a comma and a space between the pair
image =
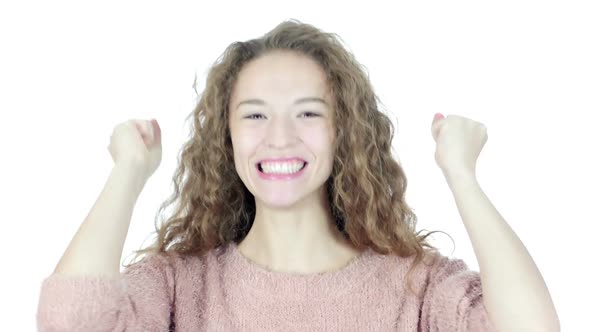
x: 225, y: 291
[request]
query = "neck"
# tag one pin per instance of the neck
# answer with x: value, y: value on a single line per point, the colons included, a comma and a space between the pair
x: 302, y: 239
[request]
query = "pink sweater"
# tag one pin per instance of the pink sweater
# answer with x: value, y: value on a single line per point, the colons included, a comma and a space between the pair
x: 227, y: 292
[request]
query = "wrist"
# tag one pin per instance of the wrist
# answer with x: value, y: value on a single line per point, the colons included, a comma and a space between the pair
x: 459, y: 176
x: 131, y: 176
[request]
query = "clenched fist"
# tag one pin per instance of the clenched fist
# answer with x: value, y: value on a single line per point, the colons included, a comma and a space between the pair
x: 137, y: 143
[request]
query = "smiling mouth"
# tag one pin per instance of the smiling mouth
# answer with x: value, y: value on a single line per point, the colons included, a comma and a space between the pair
x: 259, y: 166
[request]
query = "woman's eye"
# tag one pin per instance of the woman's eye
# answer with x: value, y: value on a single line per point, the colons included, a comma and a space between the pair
x: 311, y: 114
x: 257, y: 115
x: 252, y: 116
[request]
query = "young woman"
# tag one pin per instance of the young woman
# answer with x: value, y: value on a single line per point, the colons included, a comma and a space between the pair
x: 290, y: 215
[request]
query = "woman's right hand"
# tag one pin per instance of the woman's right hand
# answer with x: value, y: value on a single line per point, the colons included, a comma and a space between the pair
x: 137, y: 143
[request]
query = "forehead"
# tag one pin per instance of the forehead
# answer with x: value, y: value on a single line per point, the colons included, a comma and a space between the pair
x: 280, y: 74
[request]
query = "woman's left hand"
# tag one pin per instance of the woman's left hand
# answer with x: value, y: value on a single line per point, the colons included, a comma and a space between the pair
x: 459, y: 141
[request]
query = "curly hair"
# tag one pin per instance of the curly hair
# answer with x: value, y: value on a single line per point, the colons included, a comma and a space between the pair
x: 367, y: 185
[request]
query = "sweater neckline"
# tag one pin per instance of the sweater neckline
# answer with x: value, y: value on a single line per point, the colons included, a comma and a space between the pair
x: 257, y: 279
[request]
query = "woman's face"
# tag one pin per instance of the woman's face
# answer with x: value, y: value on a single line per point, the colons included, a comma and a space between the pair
x: 280, y: 109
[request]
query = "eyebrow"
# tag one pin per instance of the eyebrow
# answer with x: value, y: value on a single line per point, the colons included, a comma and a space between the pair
x: 298, y: 101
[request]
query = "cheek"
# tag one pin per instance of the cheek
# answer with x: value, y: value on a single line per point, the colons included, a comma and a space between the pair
x: 244, y: 144
x: 320, y: 141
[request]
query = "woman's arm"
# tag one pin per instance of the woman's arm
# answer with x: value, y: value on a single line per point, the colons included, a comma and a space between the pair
x: 515, y: 295
x: 97, y: 246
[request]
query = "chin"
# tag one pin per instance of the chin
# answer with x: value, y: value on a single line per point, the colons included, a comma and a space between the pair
x: 277, y: 202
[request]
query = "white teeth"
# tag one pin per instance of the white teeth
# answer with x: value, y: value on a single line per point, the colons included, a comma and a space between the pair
x: 282, y: 168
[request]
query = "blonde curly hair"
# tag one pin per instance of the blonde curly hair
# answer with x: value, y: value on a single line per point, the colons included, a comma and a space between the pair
x: 367, y: 185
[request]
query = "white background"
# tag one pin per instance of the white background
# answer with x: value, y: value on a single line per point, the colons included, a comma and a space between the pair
x: 69, y: 72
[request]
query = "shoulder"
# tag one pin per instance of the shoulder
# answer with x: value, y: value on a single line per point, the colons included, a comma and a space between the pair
x: 442, y: 267
x: 436, y: 264
x: 177, y: 263
x: 434, y: 268
x: 451, y: 279
x: 152, y: 265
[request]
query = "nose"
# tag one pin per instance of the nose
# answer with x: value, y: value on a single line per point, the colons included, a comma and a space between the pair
x: 281, y: 132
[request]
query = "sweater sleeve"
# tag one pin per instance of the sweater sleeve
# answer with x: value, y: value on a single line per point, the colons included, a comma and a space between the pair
x: 453, y: 299
x: 139, y: 300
